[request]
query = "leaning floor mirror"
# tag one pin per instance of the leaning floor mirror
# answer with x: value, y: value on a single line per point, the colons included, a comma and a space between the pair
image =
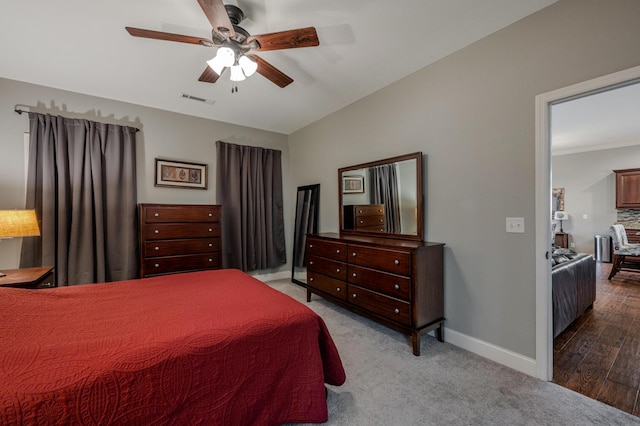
x: 306, y: 222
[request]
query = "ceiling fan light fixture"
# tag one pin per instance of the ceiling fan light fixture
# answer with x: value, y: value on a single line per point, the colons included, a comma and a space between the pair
x: 248, y: 65
x: 215, y: 65
x: 226, y: 55
x: 236, y: 73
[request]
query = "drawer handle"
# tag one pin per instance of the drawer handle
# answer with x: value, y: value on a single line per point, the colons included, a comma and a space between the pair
x: 397, y: 262
x: 396, y: 310
x: 338, y: 289
x: 46, y: 285
x: 338, y: 251
x: 310, y: 245
x: 337, y: 269
x: 354, y: 254
x: 355, y: 296
x: 210, y: 245
x: 155, y: 231
x: 157, y: 265
x: 210, y: 229
x: 311, y: 279
x: 379, y: 211
x: 210, y: 214
x: 311, y: 262
x: 360, y: 211
x: 210, y: 260
x: 156, y: 248
x: 362, y: 221
x: 157, y: 214
x: 381, y: 220
x: 355, y: 275
x: 397, y: 286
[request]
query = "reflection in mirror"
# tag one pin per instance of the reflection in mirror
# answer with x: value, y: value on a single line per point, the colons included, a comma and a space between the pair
x: 383, y: 197
x: 306, y: 221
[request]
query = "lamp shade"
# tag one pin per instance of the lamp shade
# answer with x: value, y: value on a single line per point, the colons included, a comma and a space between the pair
x: 236, y: 73
x: 249, y: 66
x: 18, y: 223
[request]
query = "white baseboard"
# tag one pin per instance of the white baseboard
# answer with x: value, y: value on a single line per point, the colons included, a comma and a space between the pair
x: 495, y: 353
x: 273, y: 276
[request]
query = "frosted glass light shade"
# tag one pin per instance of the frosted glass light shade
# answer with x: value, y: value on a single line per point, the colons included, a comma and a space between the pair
x: 227, y: 56
x: 248, y: 65
x: 215, y: 64
x: 236, y: 73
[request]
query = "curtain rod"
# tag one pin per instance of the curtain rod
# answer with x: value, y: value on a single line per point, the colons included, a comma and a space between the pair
x: 20, y: 111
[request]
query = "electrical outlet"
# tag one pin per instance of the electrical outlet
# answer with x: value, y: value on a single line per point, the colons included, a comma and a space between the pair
x: 585, y: 216
x: 572, y: 245
x: 515, y: 224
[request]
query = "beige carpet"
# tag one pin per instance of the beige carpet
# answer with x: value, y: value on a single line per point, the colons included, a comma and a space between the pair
x: 387, y: 385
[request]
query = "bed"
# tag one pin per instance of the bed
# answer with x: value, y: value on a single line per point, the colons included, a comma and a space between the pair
x: 212, y: 347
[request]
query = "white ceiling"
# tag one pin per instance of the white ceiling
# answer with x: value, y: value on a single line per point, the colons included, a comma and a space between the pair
x: 608, y: 119
x: 82, y: 46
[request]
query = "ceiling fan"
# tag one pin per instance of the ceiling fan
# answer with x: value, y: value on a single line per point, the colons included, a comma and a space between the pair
x: 235, y: 44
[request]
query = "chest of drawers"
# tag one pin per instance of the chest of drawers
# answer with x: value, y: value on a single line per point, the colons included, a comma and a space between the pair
x: 179, y: 238
x: 398, y: 283
x: 364, y: 217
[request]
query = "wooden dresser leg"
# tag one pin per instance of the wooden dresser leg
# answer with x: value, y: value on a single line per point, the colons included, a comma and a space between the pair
x: 440, y: 333
x: 308, y: 295
x: 415, y: 339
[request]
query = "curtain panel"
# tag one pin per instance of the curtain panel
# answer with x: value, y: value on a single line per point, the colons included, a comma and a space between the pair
x: 384, y: 190
x: 82, y: 183
x: 249, y: 188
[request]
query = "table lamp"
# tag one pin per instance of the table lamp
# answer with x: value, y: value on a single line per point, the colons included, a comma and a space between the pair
x: 18, y: 223
x: 561, y: 216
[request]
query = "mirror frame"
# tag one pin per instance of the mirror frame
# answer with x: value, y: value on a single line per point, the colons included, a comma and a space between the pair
x: 420, y: 198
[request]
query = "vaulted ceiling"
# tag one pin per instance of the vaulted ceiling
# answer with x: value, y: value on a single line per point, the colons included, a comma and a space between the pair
x: 82, y: 46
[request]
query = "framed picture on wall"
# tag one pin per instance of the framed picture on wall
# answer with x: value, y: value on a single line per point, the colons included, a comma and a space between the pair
x: 352, y: 184
x: 180, y: 174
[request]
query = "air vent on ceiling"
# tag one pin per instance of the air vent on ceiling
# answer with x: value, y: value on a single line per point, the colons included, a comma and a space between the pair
x: 199, y: 99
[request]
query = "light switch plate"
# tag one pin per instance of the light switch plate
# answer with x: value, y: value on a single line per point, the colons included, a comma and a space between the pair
x: 515, y: 224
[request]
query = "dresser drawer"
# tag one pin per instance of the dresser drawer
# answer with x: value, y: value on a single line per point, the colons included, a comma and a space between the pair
x: 368, y: 210
x: 365, y: 221
x: 382, y: 282
x: 394, y: 261
x: 329, y: 249
x: 178, y: 247
x: 326, y: 284
x: 162, y: 231
x: 169, y: 264
x: 330, y: 267
x: 193, y: 213
x: 393, y: 309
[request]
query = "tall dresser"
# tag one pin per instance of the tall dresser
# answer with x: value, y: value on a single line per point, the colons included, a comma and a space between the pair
x: 365, y: 217
x: 179, y: 238
x: 398, y: 283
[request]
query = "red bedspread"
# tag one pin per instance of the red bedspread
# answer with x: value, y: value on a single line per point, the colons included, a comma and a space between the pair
x: 212, y: 348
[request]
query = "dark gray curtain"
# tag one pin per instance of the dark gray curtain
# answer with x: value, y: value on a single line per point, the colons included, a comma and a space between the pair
x: 384, y: 190
x: 249, y: 188
x: 306, y: 220
x: 82, y: 184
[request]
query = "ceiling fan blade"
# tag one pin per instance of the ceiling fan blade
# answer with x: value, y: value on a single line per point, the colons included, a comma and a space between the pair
x: 270, y: 72
x: 209, y: 76
x: 302, y: 37
x: 217, y: 15
x: 159, y: 35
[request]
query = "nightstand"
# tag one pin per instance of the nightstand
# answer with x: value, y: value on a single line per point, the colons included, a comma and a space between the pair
x: 38, y: 277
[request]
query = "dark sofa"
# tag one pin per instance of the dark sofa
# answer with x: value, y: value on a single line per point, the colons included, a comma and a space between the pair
x: 573, y: 277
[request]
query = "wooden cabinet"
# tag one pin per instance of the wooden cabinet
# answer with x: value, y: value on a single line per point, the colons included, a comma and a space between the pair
x: 398, y: 283
x: 627, y: 189
x: 179, y: 238
x: 561, y: 239
x: 364, y: 217
x: 34, y: 278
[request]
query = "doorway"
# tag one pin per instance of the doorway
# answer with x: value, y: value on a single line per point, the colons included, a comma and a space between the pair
x: 544, y: 103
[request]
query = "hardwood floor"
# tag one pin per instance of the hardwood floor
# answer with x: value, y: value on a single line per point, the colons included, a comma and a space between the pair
x: 599, y: 354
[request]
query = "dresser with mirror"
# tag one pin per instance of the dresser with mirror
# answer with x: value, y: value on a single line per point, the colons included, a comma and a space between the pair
x: 378, y: 265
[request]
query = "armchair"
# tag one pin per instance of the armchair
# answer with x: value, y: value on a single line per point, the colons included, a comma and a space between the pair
x: 621, y: 249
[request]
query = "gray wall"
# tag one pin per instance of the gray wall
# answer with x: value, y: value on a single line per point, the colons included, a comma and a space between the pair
x: 473, y: 115
x: 590, y: 189
x: 163, y: 134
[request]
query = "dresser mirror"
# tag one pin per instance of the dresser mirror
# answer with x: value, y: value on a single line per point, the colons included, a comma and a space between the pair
x: 382, y: 198
x: 306, y: 222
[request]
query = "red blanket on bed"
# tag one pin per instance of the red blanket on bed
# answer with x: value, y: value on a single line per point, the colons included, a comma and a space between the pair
x: 213, y: 348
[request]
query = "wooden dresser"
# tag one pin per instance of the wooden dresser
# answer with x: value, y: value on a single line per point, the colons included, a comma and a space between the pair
x: 179, y: 238
x: 364, y: 217
x: 398, y: 283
